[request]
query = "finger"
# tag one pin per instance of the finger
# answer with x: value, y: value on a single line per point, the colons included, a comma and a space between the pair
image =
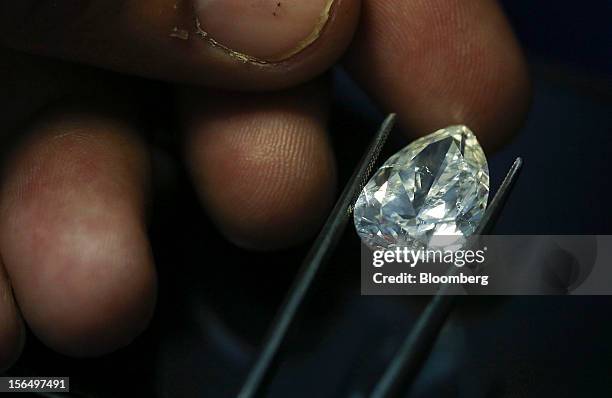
x: 227, y: 43
x: 12, y: 335
x: 440, y: 62
x: 72, y: 235
x: 262, y: 163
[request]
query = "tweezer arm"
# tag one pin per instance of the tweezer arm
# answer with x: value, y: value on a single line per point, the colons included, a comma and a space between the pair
x: 325, y: 243
x: 414, y: 350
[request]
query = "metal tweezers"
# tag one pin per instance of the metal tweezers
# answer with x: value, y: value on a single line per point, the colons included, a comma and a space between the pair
x: 418, y: 343
x: 415, y: 348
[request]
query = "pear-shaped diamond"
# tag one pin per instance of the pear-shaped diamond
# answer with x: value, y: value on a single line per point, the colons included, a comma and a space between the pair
x: 437, y: 186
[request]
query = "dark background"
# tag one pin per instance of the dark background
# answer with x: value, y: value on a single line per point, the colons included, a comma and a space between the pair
x: 213, y: 311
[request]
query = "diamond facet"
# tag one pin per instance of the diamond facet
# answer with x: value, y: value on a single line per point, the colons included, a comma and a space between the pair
x: 438, y: 186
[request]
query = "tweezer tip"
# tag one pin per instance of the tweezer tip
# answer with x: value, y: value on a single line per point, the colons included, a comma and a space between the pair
x: 512, y: 174
x: 390, y: 118
x: 518, y: 162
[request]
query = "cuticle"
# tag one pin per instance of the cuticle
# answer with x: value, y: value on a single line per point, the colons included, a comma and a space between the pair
x: 300, y: 47
x: 234, y: 54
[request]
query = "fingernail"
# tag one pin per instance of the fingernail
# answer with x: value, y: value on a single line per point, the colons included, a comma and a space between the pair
x: 262, y: 30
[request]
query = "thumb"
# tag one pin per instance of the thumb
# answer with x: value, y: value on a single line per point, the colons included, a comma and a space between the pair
x: 256, y: 44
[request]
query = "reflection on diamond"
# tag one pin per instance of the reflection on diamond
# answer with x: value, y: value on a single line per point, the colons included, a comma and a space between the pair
x: 436, y: 186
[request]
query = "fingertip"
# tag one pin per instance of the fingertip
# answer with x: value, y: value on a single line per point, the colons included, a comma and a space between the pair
x: 439, y: 63
x: 263, y: 165
x: 269, y: 30
x: 273, y: 194
x: 281, y: 60
x: 235, y: 44
x: 97, y: 313
x: 96, y: 286
x: 72, y: 234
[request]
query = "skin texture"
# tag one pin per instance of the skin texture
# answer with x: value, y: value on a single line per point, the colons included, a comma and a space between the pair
x: 75, y: 261
x: 443, y: 62
x: 141, y: 40
x: 73, y: 232
x: 282, y: 163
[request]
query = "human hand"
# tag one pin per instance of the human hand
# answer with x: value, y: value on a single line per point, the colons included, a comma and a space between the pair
x: 76, y: 265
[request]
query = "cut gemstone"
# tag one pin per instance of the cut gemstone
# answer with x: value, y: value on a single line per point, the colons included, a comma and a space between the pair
x: 436, y: 187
